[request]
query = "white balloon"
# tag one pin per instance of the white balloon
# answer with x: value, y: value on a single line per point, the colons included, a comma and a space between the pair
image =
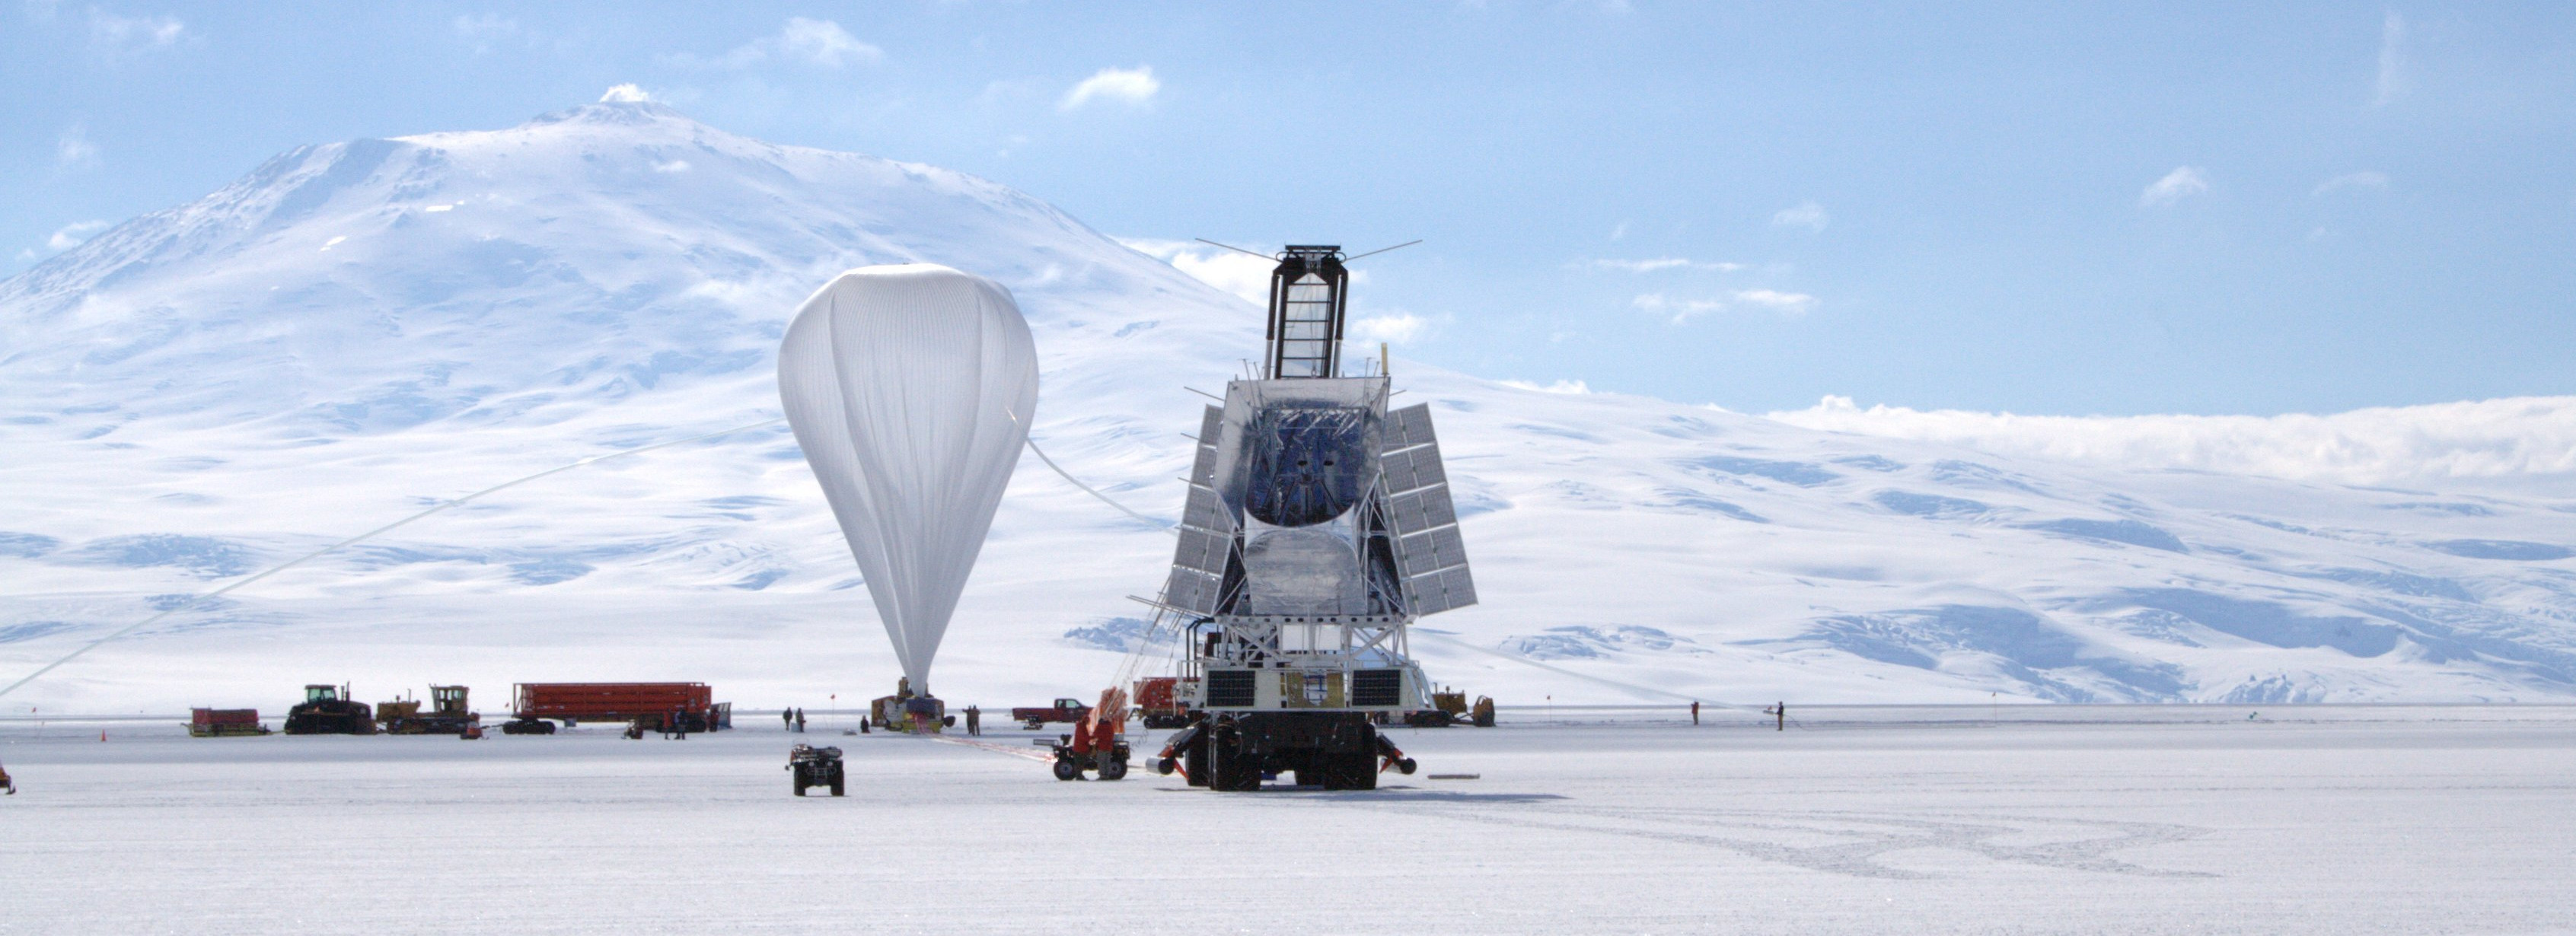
x: 910, y: 388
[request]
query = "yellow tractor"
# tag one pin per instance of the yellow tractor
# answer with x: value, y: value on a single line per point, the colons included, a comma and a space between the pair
x: 1449, y: 707
x: 447, y: 714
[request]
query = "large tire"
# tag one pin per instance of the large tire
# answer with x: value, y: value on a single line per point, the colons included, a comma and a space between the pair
x: 836, y: 783
x: 1066, y: 769
x: 1195, y: 761
x: 1232, y: 768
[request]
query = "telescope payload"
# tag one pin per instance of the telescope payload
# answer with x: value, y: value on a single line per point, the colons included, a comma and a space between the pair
x: 1318, y: 526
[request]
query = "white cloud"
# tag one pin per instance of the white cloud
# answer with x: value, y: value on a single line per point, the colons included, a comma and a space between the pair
x: 824, y: 43
x: 117, y: 35
x: 1785, y: 303
x: 1667, y: 263
x: 2392, y: 60
x: 1806, y: 214
x: 1134, y: 87
x: 625, y: 94
x: 2363, y: 179
x: 821, y: 43
x: 1561, y: 386
x: 2500, y: 438
x: 1398, y: 328
x: 73, y: 147
x: 1682, y: 310
x: 676, y: 165
x: 1242, y: 274
x: 2183, y: 182
x: 485, y: 30
x: 72, y: 235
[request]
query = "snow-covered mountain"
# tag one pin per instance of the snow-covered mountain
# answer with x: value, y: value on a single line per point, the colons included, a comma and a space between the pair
x: 357, y: 330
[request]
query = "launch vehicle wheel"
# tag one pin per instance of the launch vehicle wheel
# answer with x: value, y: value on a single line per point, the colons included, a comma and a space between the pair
x: 1066, y: 769
x: 1195, y: 762
x: 1231, y: 767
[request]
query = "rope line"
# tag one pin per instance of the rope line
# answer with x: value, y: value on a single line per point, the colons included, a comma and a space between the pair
x: 363, y: 537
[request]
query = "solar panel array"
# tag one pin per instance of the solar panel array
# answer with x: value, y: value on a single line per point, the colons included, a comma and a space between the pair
x: 1207, y: 531
x: 1428, y: 550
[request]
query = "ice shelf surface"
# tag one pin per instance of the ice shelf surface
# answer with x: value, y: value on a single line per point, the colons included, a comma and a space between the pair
x: 356, y: 330
x: 1968, y: 819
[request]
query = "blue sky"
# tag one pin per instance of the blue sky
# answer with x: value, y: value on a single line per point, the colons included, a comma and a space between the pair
x: 2040, y: 208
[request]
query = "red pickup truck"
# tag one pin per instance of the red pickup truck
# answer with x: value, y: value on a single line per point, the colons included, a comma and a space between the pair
x: 1065, y: 710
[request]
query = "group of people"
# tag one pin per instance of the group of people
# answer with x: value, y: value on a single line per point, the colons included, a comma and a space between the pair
x: 793, y: 719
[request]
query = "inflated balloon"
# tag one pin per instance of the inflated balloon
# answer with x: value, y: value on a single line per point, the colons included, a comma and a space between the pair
x: 910, y: 388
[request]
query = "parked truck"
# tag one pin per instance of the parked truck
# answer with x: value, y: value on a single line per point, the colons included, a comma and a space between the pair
x: 664, y: 706
x: 1064, y: 710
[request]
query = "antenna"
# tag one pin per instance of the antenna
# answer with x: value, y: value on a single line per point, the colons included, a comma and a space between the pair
x: 1243, y: 251
x: 1370, y: 253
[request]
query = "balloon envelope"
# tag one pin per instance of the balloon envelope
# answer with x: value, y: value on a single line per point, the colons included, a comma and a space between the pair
x: 910, y: 389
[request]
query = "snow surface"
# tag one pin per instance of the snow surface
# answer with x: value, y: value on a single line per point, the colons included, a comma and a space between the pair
x: 1975, y: 819
x: 358, y: 330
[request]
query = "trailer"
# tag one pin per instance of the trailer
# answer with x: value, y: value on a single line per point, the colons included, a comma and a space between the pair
x: 1160, y: 700
x: 659, y: 706
x: 224, y: 723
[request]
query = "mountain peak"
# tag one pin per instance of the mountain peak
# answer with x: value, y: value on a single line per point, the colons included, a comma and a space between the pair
x: 616, y: 112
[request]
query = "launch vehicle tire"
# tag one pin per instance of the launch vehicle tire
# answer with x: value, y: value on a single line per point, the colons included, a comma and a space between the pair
x: 1194, y: 762
x: 1232, y: 768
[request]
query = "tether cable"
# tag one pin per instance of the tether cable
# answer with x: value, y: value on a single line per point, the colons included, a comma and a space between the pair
x: 370, y: 534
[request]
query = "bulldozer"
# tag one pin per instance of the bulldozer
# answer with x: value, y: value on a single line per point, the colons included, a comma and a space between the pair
x: 447, y: 714
x: 330, y: 709
x: 1449, y: 707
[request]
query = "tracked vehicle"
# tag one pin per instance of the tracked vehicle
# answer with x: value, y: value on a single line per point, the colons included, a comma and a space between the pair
x: 1318, y: 527
x: 329, y: 709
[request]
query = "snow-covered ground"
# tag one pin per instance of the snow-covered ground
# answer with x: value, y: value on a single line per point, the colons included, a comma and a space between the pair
x: 1966, y: 819
x: 356, y: 330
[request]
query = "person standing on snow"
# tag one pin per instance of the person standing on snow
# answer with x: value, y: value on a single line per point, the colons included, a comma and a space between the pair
x: 800, y: 721
x: 786, y: 719
x: 974, y: 721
